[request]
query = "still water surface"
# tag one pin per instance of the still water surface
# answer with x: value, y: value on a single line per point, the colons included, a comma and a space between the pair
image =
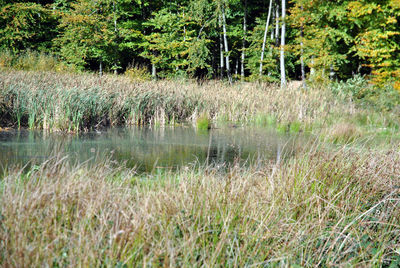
x: 148, y: 149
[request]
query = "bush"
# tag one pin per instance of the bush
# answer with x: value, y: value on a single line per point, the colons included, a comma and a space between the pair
x: 355, y: 88
x: 358, y: 89
x: 33, y: 61
x: 138, y: 73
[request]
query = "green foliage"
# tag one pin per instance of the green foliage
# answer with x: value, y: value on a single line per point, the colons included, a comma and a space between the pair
x: 379, y: 37
x: 184, y: 38
x: 175, y: 45
x: 263, y: 120
x: 89, y: 33
x: 26, y: 26
x: 271, y: 55
x: 323, y: 30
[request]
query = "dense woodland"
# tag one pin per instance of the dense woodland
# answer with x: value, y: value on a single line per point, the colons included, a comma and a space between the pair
x: 272, y: 40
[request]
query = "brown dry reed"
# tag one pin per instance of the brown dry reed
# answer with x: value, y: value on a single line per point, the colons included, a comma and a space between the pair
x: 75, y: 102
x: 321, y: 208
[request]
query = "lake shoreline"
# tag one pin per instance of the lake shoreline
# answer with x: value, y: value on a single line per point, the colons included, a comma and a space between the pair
x: 83, y: 102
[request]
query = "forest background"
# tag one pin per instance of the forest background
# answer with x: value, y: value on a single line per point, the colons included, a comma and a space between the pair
x: 251, y: 40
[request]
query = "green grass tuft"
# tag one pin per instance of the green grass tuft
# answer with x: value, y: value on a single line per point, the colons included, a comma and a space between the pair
x: 295, y: 127
x: 203, y: 123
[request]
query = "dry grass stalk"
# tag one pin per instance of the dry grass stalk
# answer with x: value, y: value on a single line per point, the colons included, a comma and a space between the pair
x: 319, y: 208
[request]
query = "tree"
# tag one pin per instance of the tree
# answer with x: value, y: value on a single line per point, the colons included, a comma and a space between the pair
x: 242, y: 74
x: 26, y: 26
x: 283, y: 35
x: 228, y: 69
x: 265, y: 36
x: 177, y: 42
x: 88, y: 34
x: 378, y: 38
x: 324, y: 36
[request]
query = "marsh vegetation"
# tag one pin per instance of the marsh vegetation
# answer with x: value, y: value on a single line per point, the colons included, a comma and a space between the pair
x: 83, y: 102
x: 333, y: 200
x: 155, y: 133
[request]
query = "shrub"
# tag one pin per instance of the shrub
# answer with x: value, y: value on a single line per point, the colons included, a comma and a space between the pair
x: 385, y: 98
x: 355, y: 88
x: 138, y: 73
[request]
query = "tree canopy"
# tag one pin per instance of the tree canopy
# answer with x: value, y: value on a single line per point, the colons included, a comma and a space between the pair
x: 205, y: 37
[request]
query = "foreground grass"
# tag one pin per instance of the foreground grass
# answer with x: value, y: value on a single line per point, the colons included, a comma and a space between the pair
x: 76, y: 102
x: 321, y: 207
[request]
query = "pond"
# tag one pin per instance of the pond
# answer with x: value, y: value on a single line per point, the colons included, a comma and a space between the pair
x: 148, y: 149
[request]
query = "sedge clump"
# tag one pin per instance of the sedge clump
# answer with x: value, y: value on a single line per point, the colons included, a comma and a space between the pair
x: 203, y: 122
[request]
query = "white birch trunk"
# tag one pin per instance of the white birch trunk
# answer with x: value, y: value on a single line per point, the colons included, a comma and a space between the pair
x: 101, y: 68
x: 153, y: 71
x: 116, y: 34
x: 228, y: 70
x: 283, y: 33
x: 303, y: 72
x: 277, y: 25
x: 265, y: 36
x: 331, y: 72
x: 244, y: 40
x: 236, y: 67
x: 312, y: 71
x: 221, y: 50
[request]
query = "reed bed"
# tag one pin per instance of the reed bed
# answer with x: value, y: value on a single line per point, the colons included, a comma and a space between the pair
x: 75, y: 102
x: 321, y: 208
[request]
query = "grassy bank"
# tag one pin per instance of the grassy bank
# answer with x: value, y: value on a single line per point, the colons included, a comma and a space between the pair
x: 321, y: 208
x: 74, y: 102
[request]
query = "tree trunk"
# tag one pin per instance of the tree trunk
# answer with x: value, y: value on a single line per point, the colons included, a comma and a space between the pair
x: 277, y: 25
x: 153, y: 71
x: 101, y: 68
x: 237, y: 67
x: 221, y: 51
x: 332, y: 72
x: 303, y: 72
x: 115, y: 17
x: 265, y: 36
x: 312, y: 71
x: 273, y: 18
x: 116, y: 35
x: 244, y: 40
x: 283, y: 33
x: 228, y: 69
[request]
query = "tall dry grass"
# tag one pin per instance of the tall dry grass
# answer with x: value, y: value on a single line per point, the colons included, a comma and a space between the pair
x: 77, y: 101
x: 321, y: 208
